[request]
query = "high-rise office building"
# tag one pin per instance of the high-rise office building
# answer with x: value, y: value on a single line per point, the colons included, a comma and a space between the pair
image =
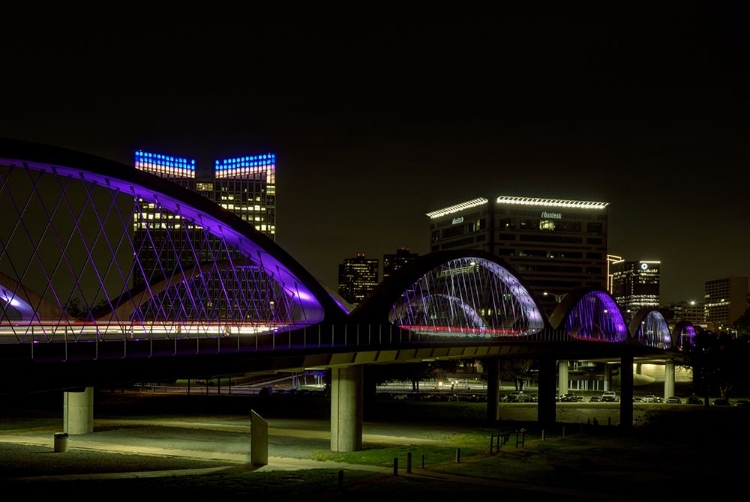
x: 725, y: 301
x: 689, y: 311
x: 358, y: 277
x: 393, y: 262
x: 245, y: 186
x: 554, y: 245
x: 635, y: 285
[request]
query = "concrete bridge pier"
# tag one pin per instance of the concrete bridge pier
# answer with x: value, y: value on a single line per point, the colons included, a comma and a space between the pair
x: 493, y: 389
x: 347, y: 388
x: 669, y: 377
x: 563, y: 377
x: 626, y: 390
x: 547, y: 409
x: 78, y: 411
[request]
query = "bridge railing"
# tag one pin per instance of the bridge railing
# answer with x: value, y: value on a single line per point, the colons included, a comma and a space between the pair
x: 110, y: 341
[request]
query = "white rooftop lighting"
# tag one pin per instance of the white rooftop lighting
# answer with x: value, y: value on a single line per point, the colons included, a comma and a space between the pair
x: 534, y: 201
x: 458, y: 207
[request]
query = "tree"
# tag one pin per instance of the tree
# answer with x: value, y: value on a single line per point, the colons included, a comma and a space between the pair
x: 719, y: 363
x: 742, y: 325
x: 517, y: 371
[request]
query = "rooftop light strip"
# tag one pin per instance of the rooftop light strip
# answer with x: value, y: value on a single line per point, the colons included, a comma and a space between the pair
x: 532, y: 201
x: 243, y: 166
x: 458, y: 207
x: 157, y: 163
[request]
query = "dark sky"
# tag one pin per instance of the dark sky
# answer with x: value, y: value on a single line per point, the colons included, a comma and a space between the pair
x: 377, y: 118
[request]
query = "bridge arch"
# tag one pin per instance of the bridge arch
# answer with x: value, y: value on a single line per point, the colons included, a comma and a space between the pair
x: 649, y: 329
x: 469, y: 293
x: 77, y: 243
x: 590, y: 314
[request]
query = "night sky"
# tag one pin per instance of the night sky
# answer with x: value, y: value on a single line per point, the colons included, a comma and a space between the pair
x: 377, y: 119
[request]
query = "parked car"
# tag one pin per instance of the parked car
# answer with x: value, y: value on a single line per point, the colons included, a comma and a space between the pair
x: 674, y: 400
x: 651, y: 398
x: 609, y: 396
x: 518, y: 396
x: 722, y: 402
x: 742, y: 403
x: 595, y: 399
x: 571, y: 397
x: 694, y: 400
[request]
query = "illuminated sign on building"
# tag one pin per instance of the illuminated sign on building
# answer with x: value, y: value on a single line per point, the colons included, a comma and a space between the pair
x: 458, y: 220
x: 553, y: 216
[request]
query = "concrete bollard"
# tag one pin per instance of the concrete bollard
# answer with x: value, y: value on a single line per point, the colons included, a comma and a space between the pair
x: 61, y: 442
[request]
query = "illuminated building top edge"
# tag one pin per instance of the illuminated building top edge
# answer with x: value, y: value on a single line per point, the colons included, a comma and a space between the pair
x: 536, y: 201
x: 239, y: 166
x: 458, y: 207
x: 165, y: 165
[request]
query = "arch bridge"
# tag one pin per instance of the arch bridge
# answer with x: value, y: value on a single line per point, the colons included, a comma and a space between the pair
x: 110, y: 275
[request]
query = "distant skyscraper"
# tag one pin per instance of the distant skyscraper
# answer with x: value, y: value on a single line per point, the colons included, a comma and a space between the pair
x: 635, y: 285
x: 358, y: 277
x: 245, y: 186
x: 554, y: 245
x: 725, y: 301
x: 393, y: 262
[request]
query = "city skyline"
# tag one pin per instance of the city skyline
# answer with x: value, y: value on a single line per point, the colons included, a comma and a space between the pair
x: 375, y: 126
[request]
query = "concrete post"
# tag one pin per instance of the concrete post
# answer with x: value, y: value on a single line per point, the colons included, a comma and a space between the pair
x: 258, y: 439
x: 346, y: 408
x: 78, y: 411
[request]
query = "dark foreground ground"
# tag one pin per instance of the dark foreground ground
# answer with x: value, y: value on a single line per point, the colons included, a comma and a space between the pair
x: 195, y: 447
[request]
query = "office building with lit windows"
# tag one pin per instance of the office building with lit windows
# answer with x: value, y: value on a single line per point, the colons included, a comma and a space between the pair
x: 245, y: 186
x: 554, y: 245
x: 393, y: 262
x: 725, y: 301
x: 358, y: 277
x: 635, y: 285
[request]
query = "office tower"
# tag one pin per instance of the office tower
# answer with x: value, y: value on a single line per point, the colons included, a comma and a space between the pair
x: 554, y: 245
x: 635, y: 285
x: 689, y: 311
x: 358, y: 276
x: 725, y: 301
x: 393, y: 262
x: 245, y: 186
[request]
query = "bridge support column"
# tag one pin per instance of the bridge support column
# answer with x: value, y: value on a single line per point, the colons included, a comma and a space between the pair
x: 493, y: 389
x: 607, y: 376
x: 562, y: 377
x: 626, y: 391
x: 669, y: 372
x: 78, y: 411
x: 347, y: 387
x: 546, y: 409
